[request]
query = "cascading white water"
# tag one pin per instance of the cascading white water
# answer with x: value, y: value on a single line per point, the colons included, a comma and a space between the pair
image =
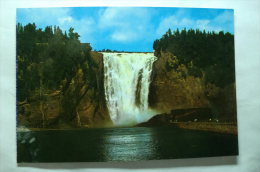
x: 126, y: 81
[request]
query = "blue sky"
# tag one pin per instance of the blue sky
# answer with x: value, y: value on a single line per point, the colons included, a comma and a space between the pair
x: 127, y: 28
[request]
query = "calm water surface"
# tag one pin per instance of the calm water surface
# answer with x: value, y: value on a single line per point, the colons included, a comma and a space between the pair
x: 121, y: 144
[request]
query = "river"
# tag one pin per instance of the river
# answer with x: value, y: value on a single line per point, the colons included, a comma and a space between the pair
x: 121, y: 144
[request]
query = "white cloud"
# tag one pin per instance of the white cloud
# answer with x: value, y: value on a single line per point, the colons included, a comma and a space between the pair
x: 123, y: 36
x: 128, y: 24
x: 166, y: 23
x: 85, y: 27
x: 61, y: 17
x: 221, y: 22
x: 185, y: 22
x: 122, y: 17
x: 43, y: 16
x: 225, y: 17
x: 65, y: 19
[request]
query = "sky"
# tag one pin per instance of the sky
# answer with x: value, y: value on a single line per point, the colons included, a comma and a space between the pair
x: 127, y: 28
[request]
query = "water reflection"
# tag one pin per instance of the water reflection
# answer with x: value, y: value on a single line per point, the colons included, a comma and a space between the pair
x: 124, y: 145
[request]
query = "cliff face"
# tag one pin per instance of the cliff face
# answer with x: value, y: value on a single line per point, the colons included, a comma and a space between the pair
x: 170, y: 90
x: 81, y: 105
x: 92, y: 109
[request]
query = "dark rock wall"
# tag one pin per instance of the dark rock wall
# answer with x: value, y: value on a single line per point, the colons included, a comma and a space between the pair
x: 82, y: 105
x: 176, y: 89
x: 169, y: 90
x: 92, y: 109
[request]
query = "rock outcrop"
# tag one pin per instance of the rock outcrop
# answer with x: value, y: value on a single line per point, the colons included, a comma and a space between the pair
x: 179, y: 115
x: 170, y: 89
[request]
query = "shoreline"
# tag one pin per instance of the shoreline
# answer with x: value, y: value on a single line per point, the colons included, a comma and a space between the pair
x: 225, y: 128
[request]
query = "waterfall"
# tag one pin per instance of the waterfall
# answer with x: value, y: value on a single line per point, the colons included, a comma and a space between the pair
x: 126, y: 82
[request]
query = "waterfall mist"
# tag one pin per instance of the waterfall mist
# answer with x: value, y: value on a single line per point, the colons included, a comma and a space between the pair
x: 126, y: 82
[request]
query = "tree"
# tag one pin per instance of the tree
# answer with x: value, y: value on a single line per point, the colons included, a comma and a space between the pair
x: 72, y: 34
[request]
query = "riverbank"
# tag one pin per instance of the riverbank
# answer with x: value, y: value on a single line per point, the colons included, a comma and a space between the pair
x: 25, y: 129
x: 227, y: 128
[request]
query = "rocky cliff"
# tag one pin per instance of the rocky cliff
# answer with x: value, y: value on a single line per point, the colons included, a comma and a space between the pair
x: 172, y: 89
x: 92, y: 109
x: 81, y: 105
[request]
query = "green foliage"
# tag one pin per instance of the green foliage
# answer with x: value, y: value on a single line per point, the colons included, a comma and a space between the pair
x: 48, y: 58
x: 208, y: 53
